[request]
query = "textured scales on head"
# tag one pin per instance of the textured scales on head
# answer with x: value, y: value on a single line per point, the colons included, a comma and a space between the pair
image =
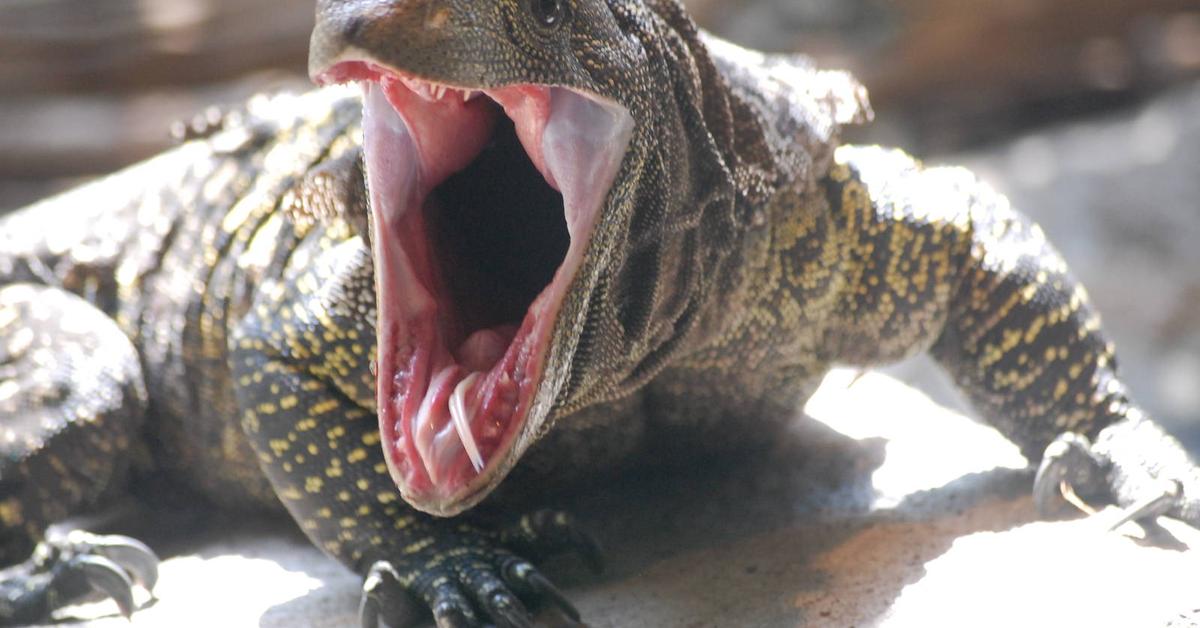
x: 619, y: 108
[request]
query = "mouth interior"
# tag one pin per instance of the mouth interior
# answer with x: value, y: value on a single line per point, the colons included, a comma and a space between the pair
x: 482, y: 205
x: 500, y: 234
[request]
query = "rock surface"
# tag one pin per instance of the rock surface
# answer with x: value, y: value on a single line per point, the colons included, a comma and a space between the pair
x: 886, y: 510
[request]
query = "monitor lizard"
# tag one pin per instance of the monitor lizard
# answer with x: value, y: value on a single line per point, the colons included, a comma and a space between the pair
x: 509, y: 245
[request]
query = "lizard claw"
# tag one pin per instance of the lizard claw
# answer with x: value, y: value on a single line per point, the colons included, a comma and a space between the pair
x: 383, y: 594
x: 492, y: 594
x: 1145, y: 489
x: 388, y: 596
x: 108, y: 578
x: 544, y: 533
x: 134, y: 557
x: 472, y: 577
x: 72, y: 568
x: 525, y: 578
x: 1151, y: 506
x: 453, y: 619
x: 450, y: 607
x: 1068, y: 465
x: 510, y: 612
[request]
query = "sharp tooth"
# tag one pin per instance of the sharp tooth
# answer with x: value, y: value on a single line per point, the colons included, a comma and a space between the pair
x: 425, y: 426
x: 423, y: 435
x: 462, y: 423
x: 439, y: 91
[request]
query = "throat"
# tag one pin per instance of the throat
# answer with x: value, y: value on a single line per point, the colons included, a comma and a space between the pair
x: 499, y: 233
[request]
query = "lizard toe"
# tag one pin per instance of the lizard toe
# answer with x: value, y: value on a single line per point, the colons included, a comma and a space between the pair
x: 1073, y: 469
x: 383, y: 597
x: 442, y: 591
x: 467, y: 579
x: 386, y: 601
x: 74, y: 568
x: 1068, y: 467
x: 544, y: 533
x: 492, y: 594
x: 527, y: 581
x: 107, y: 577
x: 133, y: 556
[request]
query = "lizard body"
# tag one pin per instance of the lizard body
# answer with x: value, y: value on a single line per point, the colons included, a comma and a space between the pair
x: 271, y: 315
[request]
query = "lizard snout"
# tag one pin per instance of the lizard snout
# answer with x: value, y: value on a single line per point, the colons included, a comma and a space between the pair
x: 394, y: 33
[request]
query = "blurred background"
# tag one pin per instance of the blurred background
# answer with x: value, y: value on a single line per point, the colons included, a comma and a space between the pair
x: 1086, y: 112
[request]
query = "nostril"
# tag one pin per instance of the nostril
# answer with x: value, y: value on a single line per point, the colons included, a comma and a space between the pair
x: 335, y: 32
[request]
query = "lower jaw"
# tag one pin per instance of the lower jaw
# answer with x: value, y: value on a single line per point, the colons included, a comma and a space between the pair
x: 426, y: 449
x: 448, y: 479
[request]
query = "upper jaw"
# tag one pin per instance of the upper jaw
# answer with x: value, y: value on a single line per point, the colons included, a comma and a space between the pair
x: 458, y: 407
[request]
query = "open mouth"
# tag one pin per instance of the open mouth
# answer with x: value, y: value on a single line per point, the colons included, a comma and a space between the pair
x: 482, y: 205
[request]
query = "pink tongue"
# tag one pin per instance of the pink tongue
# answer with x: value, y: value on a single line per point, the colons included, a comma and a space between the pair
x: 483, y: 349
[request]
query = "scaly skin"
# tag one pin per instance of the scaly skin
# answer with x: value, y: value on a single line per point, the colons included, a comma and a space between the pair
x: 740, y: 253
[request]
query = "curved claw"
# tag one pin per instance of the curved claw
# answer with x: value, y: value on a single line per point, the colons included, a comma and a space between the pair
x: 492, y: 594
x: 544, y: 587
x: 588, y: 548
x: 71, y: 567
x: 134, y: 556
x: 521, y: 575
x: 1150, y: 507
x: 382, y: 595
x: 546, y: 532
x: 109, y: 578
x: 369, y: 602
x: 476, y: 577
x: 451, y: 608
x: 1068, y: 459
x: 452, y: 619
x: 510, y: 612
x: 368, y: 611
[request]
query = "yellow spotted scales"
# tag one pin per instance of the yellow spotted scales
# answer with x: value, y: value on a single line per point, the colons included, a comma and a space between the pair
x: 215, y: 306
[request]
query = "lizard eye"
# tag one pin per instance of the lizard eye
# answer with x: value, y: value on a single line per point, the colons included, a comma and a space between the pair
x: 550, y: 14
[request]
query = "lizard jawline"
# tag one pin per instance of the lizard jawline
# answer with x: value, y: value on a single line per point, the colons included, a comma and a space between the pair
x: 456, y: 404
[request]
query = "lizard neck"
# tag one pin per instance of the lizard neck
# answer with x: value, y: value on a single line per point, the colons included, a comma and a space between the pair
x: 789, y: 121
x: 708, y: 165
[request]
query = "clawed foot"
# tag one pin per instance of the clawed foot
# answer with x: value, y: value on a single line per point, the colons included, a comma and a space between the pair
x: 473, y: 578
x: 545, y: 533
x: 1072, y: 470
x: 72, y: 569
x: 1068, y: 469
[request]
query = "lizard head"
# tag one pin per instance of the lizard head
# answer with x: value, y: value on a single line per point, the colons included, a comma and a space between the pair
x: 523, y: 158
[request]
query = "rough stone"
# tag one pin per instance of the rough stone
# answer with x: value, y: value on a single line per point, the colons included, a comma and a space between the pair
x: 885, y: 509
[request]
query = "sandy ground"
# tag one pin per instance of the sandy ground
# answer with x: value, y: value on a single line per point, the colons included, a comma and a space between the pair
x: 887, y: 509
